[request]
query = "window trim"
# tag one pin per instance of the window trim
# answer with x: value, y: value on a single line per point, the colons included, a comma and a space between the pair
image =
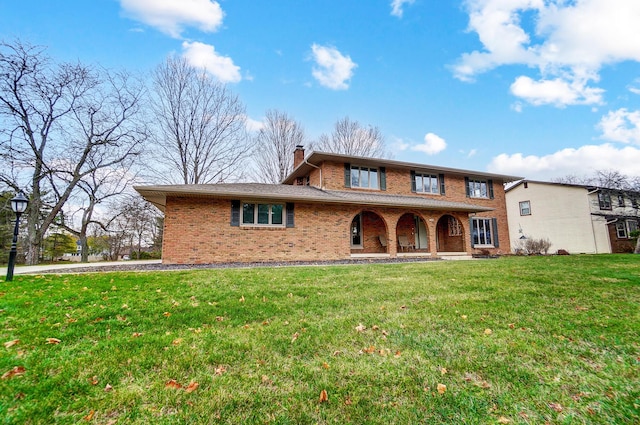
x: 521, y: 204
x: 468, y: 181
x: 604, y: 201
x: 493, y: 232
x: 283, y: 215
x: 359, y: 169
x: 621, y: 230
x: 438, y: 178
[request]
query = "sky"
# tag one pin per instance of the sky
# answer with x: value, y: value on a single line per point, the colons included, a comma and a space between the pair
x: 541, y: 89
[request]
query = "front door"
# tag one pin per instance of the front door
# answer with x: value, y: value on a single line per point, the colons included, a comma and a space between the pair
x: 421, y: 233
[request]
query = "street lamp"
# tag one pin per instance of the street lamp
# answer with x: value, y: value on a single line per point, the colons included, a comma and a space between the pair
x: 18, y: 205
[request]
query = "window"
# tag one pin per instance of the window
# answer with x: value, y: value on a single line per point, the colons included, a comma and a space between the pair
x: 634, y: 202
x: 364, y: 177
x: 356, y: 232
x: 477, y: 188
x: 262, y: 214
x: 621, y: 230
x: 427, y: 183
x: 604, y: 199
x: 525, y: 208
x: 632, y: 226
x: 484, y: 232
x: 620, y: 200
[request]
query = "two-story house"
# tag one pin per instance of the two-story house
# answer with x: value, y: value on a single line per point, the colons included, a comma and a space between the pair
x: 336, y: 207
x: 576, y: 218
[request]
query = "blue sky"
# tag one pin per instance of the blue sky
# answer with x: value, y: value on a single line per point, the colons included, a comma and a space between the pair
x: 535, y: 88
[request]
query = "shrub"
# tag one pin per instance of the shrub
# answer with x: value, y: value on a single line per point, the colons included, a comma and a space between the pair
x: 532, y: 246
x: 563, y: 252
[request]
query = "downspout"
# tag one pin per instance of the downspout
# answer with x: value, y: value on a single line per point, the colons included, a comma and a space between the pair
x: 316, y: 167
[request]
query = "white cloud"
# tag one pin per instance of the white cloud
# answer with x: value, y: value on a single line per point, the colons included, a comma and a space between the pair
x: 333, y: 69
x: 432, y: 145
x: 557, y: 92
x: 398, y: 144
x: 253, y: 126
x: 397, y: 7
x: 621, y: 126
x: 201, y: 55
x: 171, y: 16
x: 569, y: 43
x: 581, y: 161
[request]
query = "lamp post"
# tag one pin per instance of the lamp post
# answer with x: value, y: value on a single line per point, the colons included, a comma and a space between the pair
x: 18, y: 205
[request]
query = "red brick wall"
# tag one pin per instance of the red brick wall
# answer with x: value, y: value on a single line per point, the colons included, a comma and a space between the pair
x: 198, y: 230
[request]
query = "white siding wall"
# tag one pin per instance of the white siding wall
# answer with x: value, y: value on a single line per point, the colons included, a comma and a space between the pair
x: 559, y: 213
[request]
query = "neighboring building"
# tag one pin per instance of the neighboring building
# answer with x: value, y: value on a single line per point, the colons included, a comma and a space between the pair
x: 335, y: 207
x: 576, y: 218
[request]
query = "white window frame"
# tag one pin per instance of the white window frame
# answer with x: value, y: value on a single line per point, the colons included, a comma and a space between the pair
x: 525, y: 210
x: 433, y: 180
x: 483, y: 224
x: 256, y: 208
x: 621, y: 229
x: 478, y: 188
x: 372, y: 177
x: 604, y: 201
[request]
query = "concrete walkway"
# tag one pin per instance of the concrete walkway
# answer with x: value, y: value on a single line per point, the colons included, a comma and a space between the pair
x: 51, y: 268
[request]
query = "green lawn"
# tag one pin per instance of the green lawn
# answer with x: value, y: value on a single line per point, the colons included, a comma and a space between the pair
x: 515, y: 340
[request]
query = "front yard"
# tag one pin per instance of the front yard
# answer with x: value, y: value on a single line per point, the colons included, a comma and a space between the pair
x: 514, y: 340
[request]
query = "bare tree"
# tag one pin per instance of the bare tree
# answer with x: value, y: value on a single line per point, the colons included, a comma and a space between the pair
x: 201, y: 135
x: 351, y: 138
x: 61, y: 122
x: 274, y: 146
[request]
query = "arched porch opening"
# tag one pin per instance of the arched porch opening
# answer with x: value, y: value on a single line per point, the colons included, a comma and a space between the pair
x: 412, y: 234
x: 368, y: 233
x: 450, y: 234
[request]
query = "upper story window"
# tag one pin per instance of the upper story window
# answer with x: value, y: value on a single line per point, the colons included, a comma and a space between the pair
x: 427, y: 183
x: 604, y: 199
x: 525, y: 208
x: 621, y: 200
x: 479, y: 188
x: 364, y: 177
x: 634, y: 202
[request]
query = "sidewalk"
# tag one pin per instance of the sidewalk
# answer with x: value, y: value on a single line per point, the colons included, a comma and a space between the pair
x: 51, y: 268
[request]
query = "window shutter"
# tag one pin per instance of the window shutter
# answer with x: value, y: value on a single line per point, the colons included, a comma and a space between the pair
x: 235, y: 213
x: 290, y: 215
x: 496, y: 240
x: 490, y: 184
x: 471, y: 226
x: 383, y: 178
x: 413, y: 181
x: 441, y: 178
x: 347, y: 175
x: 466, y: 186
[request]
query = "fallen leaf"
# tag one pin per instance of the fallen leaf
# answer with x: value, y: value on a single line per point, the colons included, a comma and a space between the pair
x: 361, y: 328
x: 93, y: 380
x: 16, y: 371
x: 464, y: 317
x: 177, y: 341
x: 137, y: 334
x: 512, y: 325
x: 375, y: 327
x: 173, y: 384
x: 442, y: 388
x: 325, y: 365
x: 242, y: 299
x: 324, y: 397
x: 53, y: 341
x: 443, y: 371
x: 383, y: 352
x: 488, y: 331
x: 397, y: 355
x: 556, y: 406
x: 347, y: 401
x: 108, y: 388
x: 89, y: 417
x: 504, y: 420
x: 191, y: 387
x: 166, y: 314
x: 220, y: 370
x: 369, y: 350
x: 294, y: 337
x: 219, y: 318
x: 10, y: 344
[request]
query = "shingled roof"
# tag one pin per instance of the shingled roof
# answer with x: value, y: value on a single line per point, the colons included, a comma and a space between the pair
x: 158, y: 195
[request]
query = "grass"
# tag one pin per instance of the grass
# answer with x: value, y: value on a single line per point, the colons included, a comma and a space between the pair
x: 515, y: 340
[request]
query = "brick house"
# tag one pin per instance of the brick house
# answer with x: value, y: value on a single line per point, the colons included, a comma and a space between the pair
x: 336, y: 207
x: 577, y: 218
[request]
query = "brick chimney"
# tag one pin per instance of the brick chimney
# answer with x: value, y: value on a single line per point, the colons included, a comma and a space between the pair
x: 298, y: 156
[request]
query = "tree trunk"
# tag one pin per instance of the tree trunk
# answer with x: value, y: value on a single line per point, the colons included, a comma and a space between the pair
x: 637, y: 250
x: 84, y: 247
